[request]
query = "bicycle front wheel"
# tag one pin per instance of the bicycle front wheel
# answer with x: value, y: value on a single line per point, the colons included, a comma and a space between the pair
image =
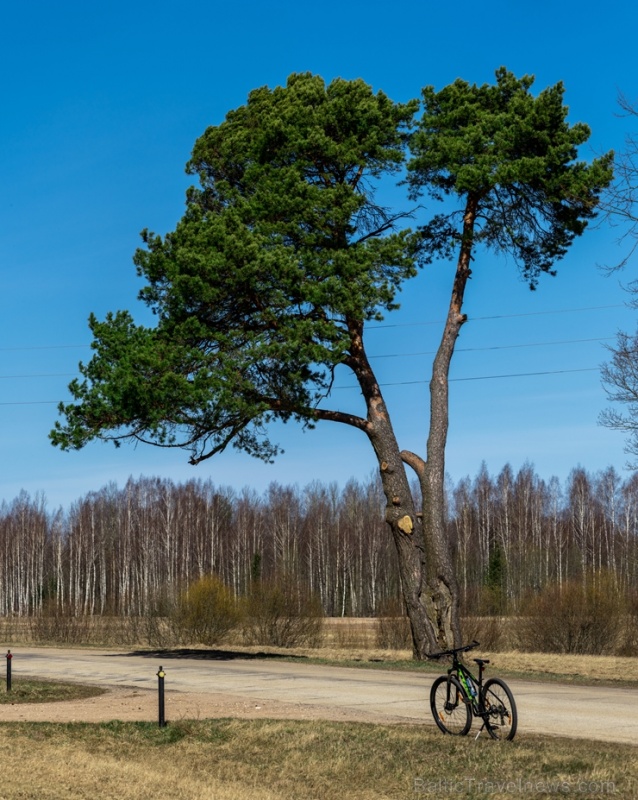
x: 501, y: 715
x: 450, y: 711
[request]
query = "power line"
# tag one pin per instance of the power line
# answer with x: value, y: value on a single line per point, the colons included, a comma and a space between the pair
x: 45, y: 347
x: 32, y: 403
x: 392, y: 355
x: 497, y: 347
x: 526, y: 374
x: 385, y: 355
x: 397, y: 383
x: 486, y: 377
x: 369, y: 327
x: 41, y: 375
x: 500, y: 316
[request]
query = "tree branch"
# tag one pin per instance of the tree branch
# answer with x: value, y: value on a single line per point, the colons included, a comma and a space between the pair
x: 414, y: 461
x: 341, y: 416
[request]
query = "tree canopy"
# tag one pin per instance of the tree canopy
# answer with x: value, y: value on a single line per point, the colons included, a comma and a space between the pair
x: 282, y: 247
x: 505, y: 162
x: 512, y: 157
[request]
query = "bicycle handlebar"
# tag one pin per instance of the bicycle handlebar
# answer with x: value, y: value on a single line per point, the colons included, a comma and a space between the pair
x: 454, y: 650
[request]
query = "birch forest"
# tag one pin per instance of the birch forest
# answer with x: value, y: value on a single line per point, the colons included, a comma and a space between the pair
x: 113, y: 551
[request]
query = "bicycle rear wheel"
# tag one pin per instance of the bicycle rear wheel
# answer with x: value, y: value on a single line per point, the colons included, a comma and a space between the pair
x: 452, y: 714
x: 498, y: 702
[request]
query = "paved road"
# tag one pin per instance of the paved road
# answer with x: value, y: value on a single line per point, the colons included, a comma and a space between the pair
x: 604, y: 713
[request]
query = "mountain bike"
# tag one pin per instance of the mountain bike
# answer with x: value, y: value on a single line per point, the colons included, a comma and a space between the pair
x: 458, y: 696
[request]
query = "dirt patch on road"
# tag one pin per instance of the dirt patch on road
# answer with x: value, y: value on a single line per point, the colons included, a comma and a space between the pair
x: 129, y: 705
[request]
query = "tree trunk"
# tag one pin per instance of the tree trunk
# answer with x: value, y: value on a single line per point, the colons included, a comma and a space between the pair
x: 426, y: 564
x: 400, y: 514
x: 442, y: 595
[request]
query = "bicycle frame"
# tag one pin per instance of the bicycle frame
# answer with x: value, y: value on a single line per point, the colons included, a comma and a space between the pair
x: 471, y: 685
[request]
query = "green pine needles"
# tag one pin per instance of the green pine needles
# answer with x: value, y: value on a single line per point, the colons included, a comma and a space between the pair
x: 283, y: 243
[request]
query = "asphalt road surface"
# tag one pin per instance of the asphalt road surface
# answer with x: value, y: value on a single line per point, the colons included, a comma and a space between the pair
x: 313, y: 691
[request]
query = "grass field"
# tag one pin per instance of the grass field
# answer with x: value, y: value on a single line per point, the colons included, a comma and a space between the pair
x: 611, y: 670
x: 224, y: 759
x: 275, y: 760
x: 29, y: 690
x: 584, y: 669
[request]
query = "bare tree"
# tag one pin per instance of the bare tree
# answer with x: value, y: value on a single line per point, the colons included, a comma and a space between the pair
x: 619, y: 201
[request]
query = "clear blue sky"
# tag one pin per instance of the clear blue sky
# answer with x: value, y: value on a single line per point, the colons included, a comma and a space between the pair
x: 101, y: 104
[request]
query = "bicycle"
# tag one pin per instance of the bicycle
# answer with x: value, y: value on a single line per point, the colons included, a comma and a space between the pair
x: 458, y: 696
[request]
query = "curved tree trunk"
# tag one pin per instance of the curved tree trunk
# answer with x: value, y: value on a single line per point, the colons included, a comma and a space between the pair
x: 426, y: 563
x: 405, y: 523
x: 443, y: 594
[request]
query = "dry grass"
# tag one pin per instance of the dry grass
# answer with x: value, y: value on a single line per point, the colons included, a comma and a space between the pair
x: 268, y: 760
x: 306, y: 760
x: 608, y: 669
x: 543, y: 666
x: 354, y: 641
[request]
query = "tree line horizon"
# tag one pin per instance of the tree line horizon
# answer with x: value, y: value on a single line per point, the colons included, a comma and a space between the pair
x: 119, y: 551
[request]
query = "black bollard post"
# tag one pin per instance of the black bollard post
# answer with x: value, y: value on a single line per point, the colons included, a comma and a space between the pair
x: 8, y: 657
x: 160, y: 691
